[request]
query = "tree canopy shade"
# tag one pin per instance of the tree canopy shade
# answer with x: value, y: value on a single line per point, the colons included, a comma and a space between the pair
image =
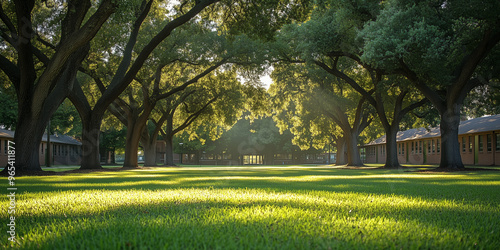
x: 43, y: 46
x: 124, y: 73
x: 40, y: 90
x: 248, y: 136
x: 127, y: 67
x: 445, y: 48
x: 328, y: 40
x: 218, y: 101
x: 310, y: 101
x: 483, y: 100
x: 441, y: 47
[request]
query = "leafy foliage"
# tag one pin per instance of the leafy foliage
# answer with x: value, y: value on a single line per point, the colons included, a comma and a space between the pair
x: 8, y: 110
x: 305, y: 99
x: 431, y: 37
x: 258, y: 19
x: 113, y: 140
x: 66, y: 120
x: 483, y: 100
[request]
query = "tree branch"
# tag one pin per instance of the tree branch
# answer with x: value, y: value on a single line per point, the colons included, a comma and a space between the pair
x: 349, y: 81
x: 129, y: 47
x: 79, y: 100
x: 120, y: 109
x: 71, y: 44
x: 413, y: 106
x: 94, y: 76
x: 464, y: 71
x: 5, y: 19
x: 25, y: 55
x: 44, y: 42
x: 193, y: 80
x: 11, y: 70
x: 432, y: 95
x: 399, y: 102
x: 193, y: 116
x: 118, y: 86
x: 77, y: 9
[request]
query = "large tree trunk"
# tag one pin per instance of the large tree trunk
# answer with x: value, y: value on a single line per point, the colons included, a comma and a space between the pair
x: 29, y: 133
x: 90, y: 142
x: 168, y: 135
x: 39, y: 96
x: 353, y: 157
x: 131, y: 158
x: 450, y: 147
x: 341, y: 156
x: 134, y: 131
x: 27, y: 140
x: 149, y: 146
x: 149, y: 154
x: 391, y: 145
x: 169, y: 152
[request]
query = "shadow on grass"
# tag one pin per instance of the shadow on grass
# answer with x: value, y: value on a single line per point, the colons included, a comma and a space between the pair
x: 384, y: 182
x: 360, y: 208
x: 224, y: 223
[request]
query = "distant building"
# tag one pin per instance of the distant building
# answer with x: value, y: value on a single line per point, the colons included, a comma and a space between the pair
x: 64, y: 150
x: 479, y: 144
x: 227, y: 159
x: 257, y: 142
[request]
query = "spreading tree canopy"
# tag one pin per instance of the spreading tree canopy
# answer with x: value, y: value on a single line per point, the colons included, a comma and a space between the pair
x: 44, y: 45
x: 445, y: 48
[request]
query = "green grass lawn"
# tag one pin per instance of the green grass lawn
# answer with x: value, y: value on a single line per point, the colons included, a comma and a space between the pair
x: 289, y: 207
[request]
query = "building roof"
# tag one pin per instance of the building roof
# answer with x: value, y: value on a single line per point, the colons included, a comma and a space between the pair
x: 63, y: 139
x: 4, y: 133
x: 477, y: 125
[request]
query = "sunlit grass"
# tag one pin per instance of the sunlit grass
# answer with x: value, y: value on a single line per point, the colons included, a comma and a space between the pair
x: 293, y: 207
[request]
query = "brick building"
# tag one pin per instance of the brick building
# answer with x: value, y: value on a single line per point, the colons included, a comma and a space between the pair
x: 479, y: 140
x: 64, y: 149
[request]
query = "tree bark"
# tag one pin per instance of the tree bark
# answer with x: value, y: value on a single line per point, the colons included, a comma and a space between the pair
x: 391, y: 145
x: 91, y: 129
x: 449, y: 112
x: 168, y: 135
x: 149, y: 145
x: 149, y: 153
x: 40, y: 95
x: 349, y: 141
x: 341, y: 152
x: 90, y: 142
x: 134, y: 131
x: 450, y: 147
x: 353, y: 157
x: 169, y: 152
x: 27, y: 140
x: 391, y: 130
x: 28, y: 133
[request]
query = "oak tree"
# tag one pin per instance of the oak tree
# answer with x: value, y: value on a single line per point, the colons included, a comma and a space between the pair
x: 445, y: 48
x: 43, y: 80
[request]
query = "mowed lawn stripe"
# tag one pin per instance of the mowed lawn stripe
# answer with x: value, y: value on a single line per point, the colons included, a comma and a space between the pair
x: 257, y: 208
